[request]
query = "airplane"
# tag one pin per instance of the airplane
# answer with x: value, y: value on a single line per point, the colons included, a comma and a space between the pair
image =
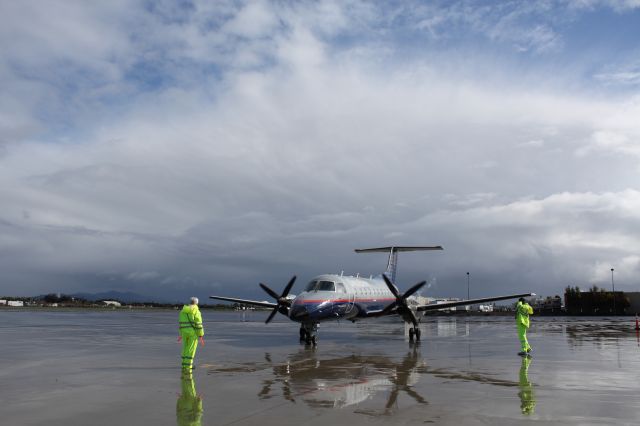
x: 331, y: 297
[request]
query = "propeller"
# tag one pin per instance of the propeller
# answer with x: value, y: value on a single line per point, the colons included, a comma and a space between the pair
x: 401, y: 300
x: 283, y: 303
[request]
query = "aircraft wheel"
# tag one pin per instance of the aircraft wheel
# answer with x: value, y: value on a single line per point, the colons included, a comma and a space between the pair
x: 411, y: 333
x: 303, y: 334
x: 417, y: 334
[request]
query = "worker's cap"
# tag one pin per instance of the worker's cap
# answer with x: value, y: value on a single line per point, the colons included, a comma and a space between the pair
x: 194, y: 300
x: 520, y: 300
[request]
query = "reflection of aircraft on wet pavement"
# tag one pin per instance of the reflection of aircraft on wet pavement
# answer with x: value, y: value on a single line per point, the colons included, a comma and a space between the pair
x: 334, y: 381
x: 331, y: 297
x: 345, y: 381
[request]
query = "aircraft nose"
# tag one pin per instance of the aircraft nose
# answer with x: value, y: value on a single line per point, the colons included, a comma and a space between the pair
x: 298, y: 312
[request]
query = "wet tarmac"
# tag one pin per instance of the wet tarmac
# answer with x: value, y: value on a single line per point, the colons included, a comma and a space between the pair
x: 122, y: 367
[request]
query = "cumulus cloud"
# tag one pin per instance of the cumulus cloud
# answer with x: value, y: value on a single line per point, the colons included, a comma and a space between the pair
x: 616, y: 5
x: 626, y: 77
x: 535, y: 143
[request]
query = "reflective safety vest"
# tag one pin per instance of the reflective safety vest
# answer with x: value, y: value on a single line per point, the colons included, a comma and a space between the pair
x: 523, y: 310
x: 190, y: 321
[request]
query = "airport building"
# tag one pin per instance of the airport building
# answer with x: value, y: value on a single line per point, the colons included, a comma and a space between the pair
x: 634, y: 302
x: 485, y: 308
x: 548, y: 305
x: 597, y: 301
x: 451, y: 299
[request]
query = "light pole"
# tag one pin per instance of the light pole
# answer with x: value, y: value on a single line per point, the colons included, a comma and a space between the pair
x: 468, y: 307
x: 614, y: 293
x: 467, y: 286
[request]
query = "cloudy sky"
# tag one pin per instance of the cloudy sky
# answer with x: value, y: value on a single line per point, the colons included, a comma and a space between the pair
x: 178, y: 148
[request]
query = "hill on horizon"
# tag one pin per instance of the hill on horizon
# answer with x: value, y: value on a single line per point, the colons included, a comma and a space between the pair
x: 126, y: 297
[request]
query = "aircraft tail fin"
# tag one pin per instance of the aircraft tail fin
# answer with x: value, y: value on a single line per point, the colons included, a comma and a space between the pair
x: 392, y: 263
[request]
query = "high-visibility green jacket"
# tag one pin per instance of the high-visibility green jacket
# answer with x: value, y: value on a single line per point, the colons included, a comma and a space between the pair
x: 523, y: 310
x: 190, y: 321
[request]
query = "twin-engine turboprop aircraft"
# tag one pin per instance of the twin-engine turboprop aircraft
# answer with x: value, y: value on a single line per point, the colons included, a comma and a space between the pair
x: 332, y: 297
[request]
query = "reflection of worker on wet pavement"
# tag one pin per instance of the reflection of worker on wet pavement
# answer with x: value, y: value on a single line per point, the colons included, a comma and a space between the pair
x: 189, y: 406
x: 523, y: 310
x: 190, y: 323
x: 526, y: 394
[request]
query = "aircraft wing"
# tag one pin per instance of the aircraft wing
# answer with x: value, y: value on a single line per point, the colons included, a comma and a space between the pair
x: 436, y: 306
x: 245, y: 301
x: 378, y: 312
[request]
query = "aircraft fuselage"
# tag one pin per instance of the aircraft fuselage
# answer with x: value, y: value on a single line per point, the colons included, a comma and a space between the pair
x: 330, y: 297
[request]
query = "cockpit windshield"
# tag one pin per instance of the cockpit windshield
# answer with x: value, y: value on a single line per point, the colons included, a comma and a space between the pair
x: 321, y: 286
x: 326, y: 286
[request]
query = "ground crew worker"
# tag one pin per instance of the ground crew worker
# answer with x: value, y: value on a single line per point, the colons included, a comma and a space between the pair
x: 190, y: 323
x: 523, y: 310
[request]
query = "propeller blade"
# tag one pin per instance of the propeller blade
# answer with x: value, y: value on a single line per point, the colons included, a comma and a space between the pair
x: 393, y: 397
x: 413, y: 317
x: 413, y: 394
x: 392, y: 288
x: 413, y: 289
x: 282, y: 303
x: 389, y: 308
x: 271, y: 315
x: 269, y: 291
x: 401, y: 300
x: 286, y: 290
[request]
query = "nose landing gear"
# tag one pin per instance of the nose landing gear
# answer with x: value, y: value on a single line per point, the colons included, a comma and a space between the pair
x: 309, y: 334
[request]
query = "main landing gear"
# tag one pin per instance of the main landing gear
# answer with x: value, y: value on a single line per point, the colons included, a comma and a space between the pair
x: 414, y: 332
x: 309, y: 334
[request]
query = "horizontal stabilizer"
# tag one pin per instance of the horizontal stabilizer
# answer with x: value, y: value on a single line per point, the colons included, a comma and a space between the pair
x: 392, y: 263
x: 397, y: 249
x: 436, y: 306
x: 245, y: 301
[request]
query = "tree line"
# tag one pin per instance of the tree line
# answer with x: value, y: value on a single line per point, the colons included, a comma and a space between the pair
x: 595, y: 301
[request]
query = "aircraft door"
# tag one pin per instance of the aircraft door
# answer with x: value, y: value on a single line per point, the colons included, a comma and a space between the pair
x: 340, y: 288
x: 352, y: 299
